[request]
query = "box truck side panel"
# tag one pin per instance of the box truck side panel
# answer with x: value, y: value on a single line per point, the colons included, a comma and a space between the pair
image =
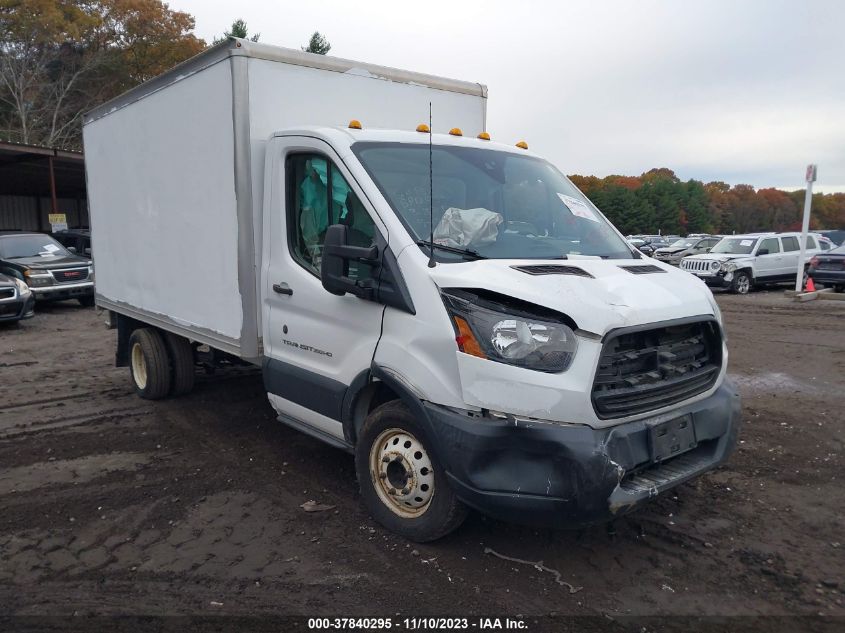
x: 161, y: 186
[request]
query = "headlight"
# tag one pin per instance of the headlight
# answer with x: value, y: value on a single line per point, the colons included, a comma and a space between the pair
x: 23, y: 289
x: 515, y: 336
x: 728, y: 267
x: 37, y: 278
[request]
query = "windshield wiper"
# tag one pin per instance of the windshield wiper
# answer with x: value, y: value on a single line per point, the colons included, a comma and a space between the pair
x: 467, y: 252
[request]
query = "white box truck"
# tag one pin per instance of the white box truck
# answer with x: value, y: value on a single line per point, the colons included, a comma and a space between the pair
x: 450, y: 309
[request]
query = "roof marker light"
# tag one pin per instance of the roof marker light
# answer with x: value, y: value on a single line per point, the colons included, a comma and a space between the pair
x: 422, y: 127
x: 355, y: 124
x: 522, y: 145
x: 484, y: 136
x: 456, y: 131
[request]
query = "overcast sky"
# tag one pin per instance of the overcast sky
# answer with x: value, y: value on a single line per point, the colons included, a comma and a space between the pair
x: 744, y: 91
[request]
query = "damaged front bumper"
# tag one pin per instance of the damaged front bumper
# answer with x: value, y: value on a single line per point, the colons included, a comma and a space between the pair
x: 568, y: 476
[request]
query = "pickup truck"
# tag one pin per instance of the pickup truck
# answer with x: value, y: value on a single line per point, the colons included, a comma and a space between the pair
x: 50, y: 271
x: 448, y: 308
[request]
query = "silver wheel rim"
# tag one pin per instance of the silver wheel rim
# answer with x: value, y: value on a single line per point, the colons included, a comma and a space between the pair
x: 139, y: 366
x: 742, y: 284
x: 401, y: 472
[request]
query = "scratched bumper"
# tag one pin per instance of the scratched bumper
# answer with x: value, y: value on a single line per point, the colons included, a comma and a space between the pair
x: 569, y: 476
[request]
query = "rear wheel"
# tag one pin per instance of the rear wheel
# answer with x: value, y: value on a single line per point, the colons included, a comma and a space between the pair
x: 149, y: 366
x: 742, y: 283
x: 402, y: 482
x: 181, y: 363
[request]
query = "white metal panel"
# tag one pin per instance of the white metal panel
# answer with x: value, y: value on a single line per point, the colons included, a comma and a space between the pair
x: 163, y: 206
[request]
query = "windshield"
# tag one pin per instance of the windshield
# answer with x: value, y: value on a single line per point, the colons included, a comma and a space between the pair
x: 497, y: 204
x: 737, y: 245
x: 682, y: 244
x: 19, y: 246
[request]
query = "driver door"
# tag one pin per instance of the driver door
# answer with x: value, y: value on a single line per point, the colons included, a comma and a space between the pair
x: 315, y: 343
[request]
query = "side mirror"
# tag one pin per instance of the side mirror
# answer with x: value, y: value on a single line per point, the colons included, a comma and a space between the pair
x: 334, y: 268
x: 72, y: 249
x: 708, y: 249
x: 763, y: 251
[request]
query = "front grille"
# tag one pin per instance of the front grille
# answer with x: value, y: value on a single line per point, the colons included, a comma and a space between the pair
x: 7, y: 293
x: 553, y: 269
x: 698, y: 265
x: 645, y: 370
x: 643, y: 269
x: 70, y: 275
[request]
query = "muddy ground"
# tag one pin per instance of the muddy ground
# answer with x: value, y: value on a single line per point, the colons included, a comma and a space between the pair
x: 114, y: 505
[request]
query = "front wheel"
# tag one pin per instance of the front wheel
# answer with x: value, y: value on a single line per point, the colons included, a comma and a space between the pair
x: 402, y: 482
x: 741, y: 283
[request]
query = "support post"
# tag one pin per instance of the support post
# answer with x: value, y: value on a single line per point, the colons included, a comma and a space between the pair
x: 805, y: 227
x: 54, y: 205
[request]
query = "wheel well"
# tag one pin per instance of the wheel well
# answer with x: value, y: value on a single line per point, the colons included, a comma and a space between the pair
x: 371, y: 396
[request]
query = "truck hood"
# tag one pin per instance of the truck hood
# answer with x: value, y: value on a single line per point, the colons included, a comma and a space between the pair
x: 613, y: 297
x: 50, y: 263
x: 669, y: 251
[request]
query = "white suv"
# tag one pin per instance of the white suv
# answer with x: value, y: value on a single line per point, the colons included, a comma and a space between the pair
x: 739, y: 262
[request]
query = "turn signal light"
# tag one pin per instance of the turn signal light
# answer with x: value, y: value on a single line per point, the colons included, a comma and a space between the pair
x: 522, y: 145
x: 456, y: 131
x: 354, y: 124
x: 466, y: 339
x: 484, y: 136
x: 422, y: 127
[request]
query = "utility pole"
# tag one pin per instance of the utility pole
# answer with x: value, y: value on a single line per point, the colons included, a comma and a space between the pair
x: 805, y: 227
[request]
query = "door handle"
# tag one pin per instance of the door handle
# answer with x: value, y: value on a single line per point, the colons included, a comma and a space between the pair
x: 282, y: 289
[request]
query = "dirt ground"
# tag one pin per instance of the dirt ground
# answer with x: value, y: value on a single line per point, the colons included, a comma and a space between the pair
x: 114, y: 505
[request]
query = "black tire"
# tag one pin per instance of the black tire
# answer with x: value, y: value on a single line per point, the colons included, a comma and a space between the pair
x: 741, y: 284
x: 181, y: 355
x: 443, y: 512
x: 86, y: 302
x: 148, y: 354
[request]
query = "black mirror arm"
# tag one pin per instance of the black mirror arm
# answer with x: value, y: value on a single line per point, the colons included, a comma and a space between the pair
x: 366, y: 254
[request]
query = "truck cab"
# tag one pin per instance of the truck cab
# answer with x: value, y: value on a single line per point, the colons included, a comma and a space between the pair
x: 533, y: 372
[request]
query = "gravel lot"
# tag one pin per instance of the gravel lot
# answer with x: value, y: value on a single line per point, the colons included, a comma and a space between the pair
x: 111, y: 504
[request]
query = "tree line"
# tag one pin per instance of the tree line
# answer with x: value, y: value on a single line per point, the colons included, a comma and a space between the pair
x: 659, y: 201
x: 61, y: 58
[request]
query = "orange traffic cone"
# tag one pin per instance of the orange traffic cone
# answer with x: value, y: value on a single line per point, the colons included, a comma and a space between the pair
x: 810, y: 286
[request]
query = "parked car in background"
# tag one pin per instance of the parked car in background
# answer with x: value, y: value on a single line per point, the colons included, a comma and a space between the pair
x: 650, y: 246
x: 16, y: 300
x: 677, y: 250
x: 739, y: 262
x: 51, y: 271
x: 837, y: 236
x: 829, y: 268
x: 77, y: 241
